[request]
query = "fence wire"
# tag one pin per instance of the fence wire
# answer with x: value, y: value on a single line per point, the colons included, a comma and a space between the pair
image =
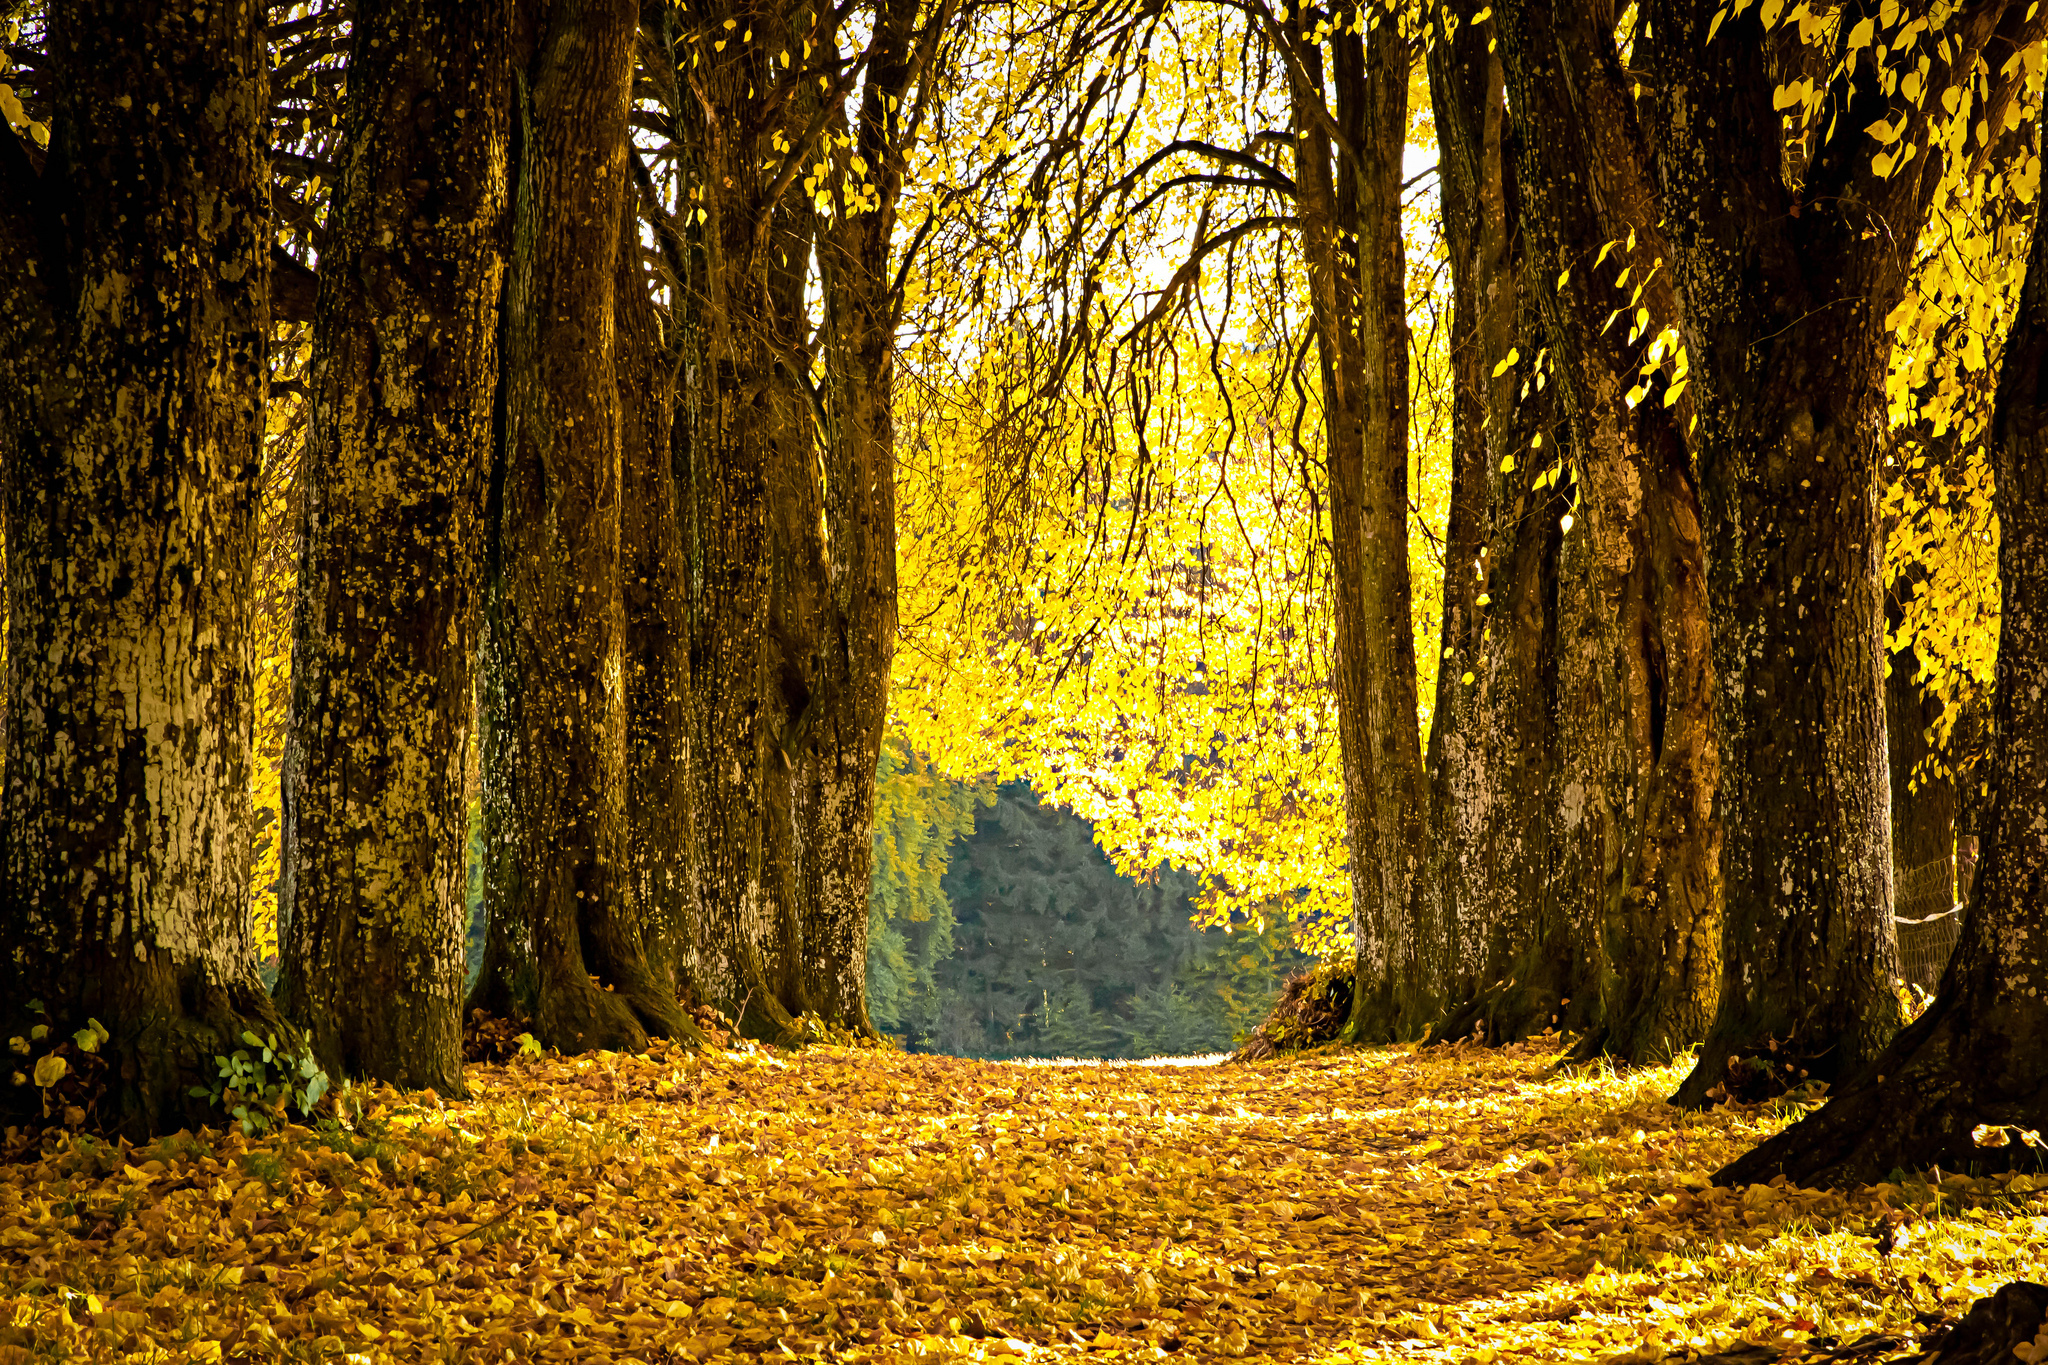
x: 1929, y: 919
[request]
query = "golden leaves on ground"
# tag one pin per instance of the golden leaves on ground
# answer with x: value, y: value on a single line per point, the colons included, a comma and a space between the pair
x: 1456, y: 1205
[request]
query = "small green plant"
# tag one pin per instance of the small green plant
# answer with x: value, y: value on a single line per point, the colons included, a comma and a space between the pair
x: 248, y: 1090
x: 529, y: 1046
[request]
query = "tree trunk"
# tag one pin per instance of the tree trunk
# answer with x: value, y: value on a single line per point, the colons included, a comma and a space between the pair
x: 404, y: 374
x: 632, y: 939
x: 1972, y: 1063
x: 1638, y: 755
x: 660, y: 811
x: 843, y: 745
x: 557, y: 656
x: 748, y: 431
x: 1493, y: 751
x: 1786, y: 306
x: 1471, y: 121
x: 1349, y: 195
x: 134, y: 294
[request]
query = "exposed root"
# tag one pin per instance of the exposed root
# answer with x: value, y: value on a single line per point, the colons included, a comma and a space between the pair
x: 1313, y: 1008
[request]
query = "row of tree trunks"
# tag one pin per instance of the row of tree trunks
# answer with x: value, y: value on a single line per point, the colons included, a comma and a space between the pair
x: 374, y: 902
x: 1963, y: 1083
x: 1617, y: 928
x: 134, y: 296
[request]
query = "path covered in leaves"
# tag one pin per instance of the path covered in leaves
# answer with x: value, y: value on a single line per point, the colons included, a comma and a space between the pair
x: 1458, y: 1205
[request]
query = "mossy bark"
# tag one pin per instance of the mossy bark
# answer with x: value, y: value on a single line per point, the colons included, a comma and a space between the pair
x: 744, y: 421
x: 404, y: 375
x: 134, y: 317
x: 1637, y: 756
x: 1520, y: 962
x: 1785, y: 319
x: 1959, y: 1086
x: 557, y: 779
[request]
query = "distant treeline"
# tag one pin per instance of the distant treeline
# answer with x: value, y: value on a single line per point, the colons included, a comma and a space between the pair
x: 997, y: 928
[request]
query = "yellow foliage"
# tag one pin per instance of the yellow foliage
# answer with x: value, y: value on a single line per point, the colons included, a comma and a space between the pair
x: 276, y: 584
x: 1114, y: 568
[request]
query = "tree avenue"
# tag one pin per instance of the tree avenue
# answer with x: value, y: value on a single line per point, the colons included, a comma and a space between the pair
x: 1542, y: 496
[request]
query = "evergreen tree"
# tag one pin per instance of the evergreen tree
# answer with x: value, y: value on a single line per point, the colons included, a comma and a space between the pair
x: 918, y: 815
x: 1058, y: 954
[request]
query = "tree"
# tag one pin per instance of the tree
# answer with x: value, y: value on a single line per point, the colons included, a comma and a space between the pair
x: 1789, y: 342
x: 556, y: 777
x: 1637, y: 751
x: 1347, y: 189
x: 135, y: 293
x: 661, y: 834
x: 736, y: 249
x: 374, y: 895
x: 1963, y: 1084
x: 854, y: 625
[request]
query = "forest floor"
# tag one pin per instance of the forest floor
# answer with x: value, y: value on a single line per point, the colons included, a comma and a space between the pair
x: 1461, y: 1205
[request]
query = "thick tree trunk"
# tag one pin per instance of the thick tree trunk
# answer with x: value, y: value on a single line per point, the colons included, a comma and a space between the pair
x: 1349, y: 194
x: 134, y: 298
x: 1972, y: 1063
x: 1493, y: 754
x: 404, y: 375
x: 559, y: 738
x: 632, y: 939
x: 1471, y: 121
x: 1786, y: 303
x: 1638, y: 754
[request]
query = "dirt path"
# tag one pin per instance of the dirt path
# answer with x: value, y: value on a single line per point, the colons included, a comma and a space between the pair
x: 1458, y: 1205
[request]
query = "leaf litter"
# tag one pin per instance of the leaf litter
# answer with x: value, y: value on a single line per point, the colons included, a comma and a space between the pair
x: 1463, y: 1205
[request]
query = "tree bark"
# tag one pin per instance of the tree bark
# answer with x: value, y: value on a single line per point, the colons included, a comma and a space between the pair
x: 632, y: 940
x: 660, y: 812
x: 1471, y: 121
x: 1348, y: 176
x: 1638, y: 754
x: 559, y: 753
x: 747, y: 428
x: 375, y: 889
x: 842, y: 747
x: 1518, y: 965
x: 134, y: 294
x: 1972, y: 1063
x: 1786, y: 302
